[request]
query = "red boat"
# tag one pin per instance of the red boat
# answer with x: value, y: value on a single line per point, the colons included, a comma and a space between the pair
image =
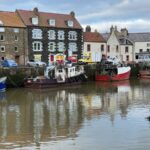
x: 113, y: 70
x: 144, y: 74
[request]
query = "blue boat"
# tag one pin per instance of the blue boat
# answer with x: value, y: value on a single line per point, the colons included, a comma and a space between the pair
x: 3, y: 83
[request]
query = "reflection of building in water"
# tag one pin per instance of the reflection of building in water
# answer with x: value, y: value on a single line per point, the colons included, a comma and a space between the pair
x: 33, y: 117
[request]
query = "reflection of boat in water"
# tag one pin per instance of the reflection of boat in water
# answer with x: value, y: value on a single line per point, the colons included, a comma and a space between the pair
x: 55, y: 76
x: 3, y: 83
x: 112, y: 70
x: 120, y: 86
x: 2, y: 95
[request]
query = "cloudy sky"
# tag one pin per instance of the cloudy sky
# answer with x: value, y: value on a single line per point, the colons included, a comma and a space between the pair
x: 100, y: 14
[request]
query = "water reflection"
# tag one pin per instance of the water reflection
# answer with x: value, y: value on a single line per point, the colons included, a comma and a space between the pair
x: 30, y: 117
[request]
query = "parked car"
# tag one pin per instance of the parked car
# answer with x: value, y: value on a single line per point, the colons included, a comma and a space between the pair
x: 36, y: 63
x: 9, y: 63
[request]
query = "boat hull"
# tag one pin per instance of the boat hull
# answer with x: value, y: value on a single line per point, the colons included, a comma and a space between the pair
x: 51, y: 83
x: 144, y: 74
x: 118, y: 77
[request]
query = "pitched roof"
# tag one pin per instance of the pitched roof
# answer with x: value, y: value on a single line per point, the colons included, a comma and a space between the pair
x: 93, y: 37
x: 10, y: 19
x: 60, y: 19
x: 139, y: 37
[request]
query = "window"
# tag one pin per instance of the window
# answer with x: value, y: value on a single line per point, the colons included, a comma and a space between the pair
x: 148, y: 50
x: 72, y: 35
x: 2, y: 48
x: 127, y: 58
x: 60, y: 35
x: 37, y: 57
x: 2, y: 38
x: 37, y: 46
x: 2, y: 29
x: 126, y: 49
x: 16, y: 38
x: 61, y: 47
x: 52, y: 22
x: 16, y: 30
x: 73, y: 47
x: 37, y: 34
x: 117, y: 48
x: 51, y: 35
x: 1, y: 23
x: 51, y: 46
x: 70, y: 23
x: 140, y: 50
x: 35, y: 21
x: 16, y: 49
x: 102, y: 48
x: 148, y: 44
x: 108, y: 48
x: 88, y: 47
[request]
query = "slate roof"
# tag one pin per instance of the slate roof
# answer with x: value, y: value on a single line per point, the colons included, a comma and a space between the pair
x: 139, y: 37
x: 10, y: 19
x: 93, y: 37
x: 106, y: 36
x: 61, y: 19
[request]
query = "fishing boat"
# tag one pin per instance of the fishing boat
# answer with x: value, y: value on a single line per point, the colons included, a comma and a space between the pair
x: 59, y: 75
x: 3, y: 84
x: 112, y: 69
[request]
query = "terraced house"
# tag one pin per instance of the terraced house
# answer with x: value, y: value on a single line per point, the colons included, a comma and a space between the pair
x: 50, y: 34
x: 13, y: 39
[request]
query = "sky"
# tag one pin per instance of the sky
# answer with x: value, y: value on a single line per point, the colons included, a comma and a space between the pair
x: 99, y: 14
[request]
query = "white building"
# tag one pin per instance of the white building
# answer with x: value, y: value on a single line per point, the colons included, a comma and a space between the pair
x: 94, y: 42
x: 128, y: 47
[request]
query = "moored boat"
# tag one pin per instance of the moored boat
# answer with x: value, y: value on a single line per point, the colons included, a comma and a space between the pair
x: 112, y: 70
x: 55, y: 76
x: 3, y: 83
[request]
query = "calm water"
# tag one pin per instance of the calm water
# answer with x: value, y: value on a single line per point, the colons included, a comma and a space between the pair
x: 93, y: 116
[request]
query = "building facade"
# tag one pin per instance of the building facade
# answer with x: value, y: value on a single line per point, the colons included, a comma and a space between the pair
x: 13, y: 38
x: 94, y: 43
x: 51, y: 34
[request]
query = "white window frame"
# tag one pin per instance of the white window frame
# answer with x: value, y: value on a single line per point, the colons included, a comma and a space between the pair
x: 52, y: 22
x: 37, y: 46
x: 35, y: 20
x: 2, y: 29
x: 16, y: 30
x: 16, y: 38
x: 52, y: 44
x: 51, y: 35
x: 61, y: 46
x: 70, y: 23
x: 1, y: 49
x: 61, y: 35
x: 73, y: 47
x: 36, y: 34
x: 72, y: 35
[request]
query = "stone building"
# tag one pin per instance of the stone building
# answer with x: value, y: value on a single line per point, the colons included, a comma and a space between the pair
x: 13, y: 38
x: 50, y: 34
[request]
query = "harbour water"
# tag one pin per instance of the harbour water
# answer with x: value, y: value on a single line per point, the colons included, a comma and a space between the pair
x: 92, y: 116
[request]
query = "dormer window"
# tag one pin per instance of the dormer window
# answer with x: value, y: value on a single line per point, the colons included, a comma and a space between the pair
x: 2, y: 29
x: 70, y: 23
x: 1, y: 23
x: 52, y: 22
x: 35, y: 20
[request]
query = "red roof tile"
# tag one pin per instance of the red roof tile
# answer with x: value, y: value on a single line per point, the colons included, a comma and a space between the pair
x: 93, y: 37
x: 44, y: 17
x: 10, y: 19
